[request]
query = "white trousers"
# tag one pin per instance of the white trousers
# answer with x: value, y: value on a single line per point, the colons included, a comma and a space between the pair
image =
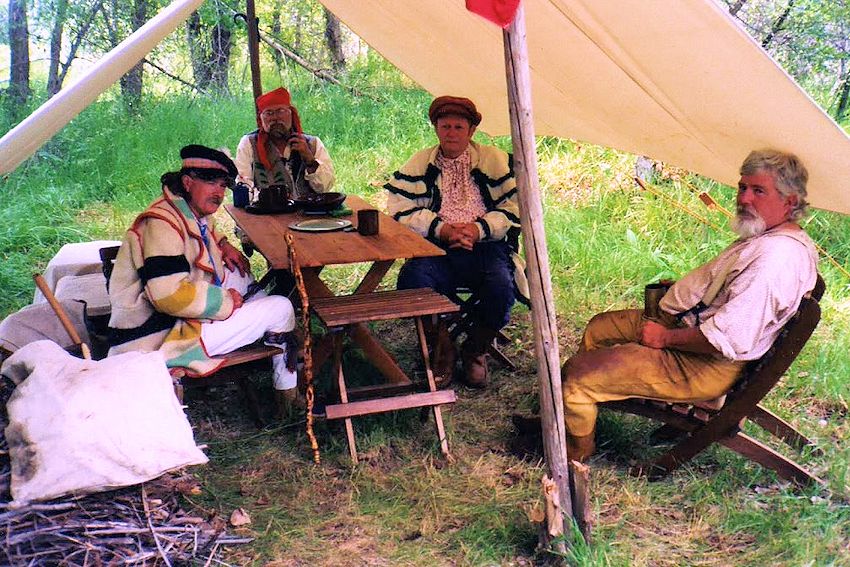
x: 247, y: 324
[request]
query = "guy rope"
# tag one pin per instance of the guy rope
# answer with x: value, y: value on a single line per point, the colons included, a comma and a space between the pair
x: 711, y: 204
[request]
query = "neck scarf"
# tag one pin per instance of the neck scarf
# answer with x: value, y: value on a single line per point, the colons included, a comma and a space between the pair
x: 461, y: 199
x: 202, y: 226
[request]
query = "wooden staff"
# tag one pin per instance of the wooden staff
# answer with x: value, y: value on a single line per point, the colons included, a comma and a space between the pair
x: 41, y: 283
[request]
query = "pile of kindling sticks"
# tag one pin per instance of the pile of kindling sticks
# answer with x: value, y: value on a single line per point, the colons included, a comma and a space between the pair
x: 138, y: 525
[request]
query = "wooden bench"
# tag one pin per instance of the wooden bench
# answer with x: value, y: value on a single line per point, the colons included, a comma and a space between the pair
x: 340, y: 313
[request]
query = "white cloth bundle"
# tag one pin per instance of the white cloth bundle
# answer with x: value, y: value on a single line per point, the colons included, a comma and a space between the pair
x: 79, y: 426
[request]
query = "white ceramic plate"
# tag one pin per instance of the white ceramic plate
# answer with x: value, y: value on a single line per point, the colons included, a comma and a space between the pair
x: 320, y: 225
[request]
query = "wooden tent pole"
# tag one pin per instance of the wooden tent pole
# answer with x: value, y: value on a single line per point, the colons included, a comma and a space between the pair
x: 536, y: 255
x: 254, y: 47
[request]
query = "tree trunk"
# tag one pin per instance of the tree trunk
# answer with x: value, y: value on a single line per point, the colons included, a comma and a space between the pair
x: 276, y: 29
x: 19, y: 80
x: 78, y: 39
x: 778, y: 25
x: 843, y: 97
x: 133, y: 80
x: 299, y: 36
x: 53, y: 84
x: 197, y: 53
x: 209, y: 49
x: 333, y: 38
x: 219, y: 61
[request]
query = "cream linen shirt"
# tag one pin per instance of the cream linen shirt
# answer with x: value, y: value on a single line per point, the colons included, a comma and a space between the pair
x: 766, y: 278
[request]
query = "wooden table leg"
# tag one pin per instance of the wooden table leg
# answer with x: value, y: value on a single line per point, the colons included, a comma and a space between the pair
x: 432, y: 386
x: 373, y: 349
x: 343, y: 395
x: 374, y: 276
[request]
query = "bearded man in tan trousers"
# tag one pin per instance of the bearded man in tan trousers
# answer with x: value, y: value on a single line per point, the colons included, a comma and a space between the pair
x: 713, y: 320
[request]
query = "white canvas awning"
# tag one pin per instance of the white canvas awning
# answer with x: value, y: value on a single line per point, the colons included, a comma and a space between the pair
x: 677, y: 80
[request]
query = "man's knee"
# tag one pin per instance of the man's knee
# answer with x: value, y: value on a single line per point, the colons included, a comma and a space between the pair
x: 413, y: 275
x: 597, y: 322
x: 497, y: 297
x: 278, y: 313
x: 587, y: 367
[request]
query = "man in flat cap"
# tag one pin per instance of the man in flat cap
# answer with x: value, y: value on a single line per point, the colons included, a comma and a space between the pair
x: 178, y: 284
x: 462, y: 196
x: 279, y: 153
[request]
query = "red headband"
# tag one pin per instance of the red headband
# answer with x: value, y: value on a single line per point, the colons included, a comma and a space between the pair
x: 278, y: 97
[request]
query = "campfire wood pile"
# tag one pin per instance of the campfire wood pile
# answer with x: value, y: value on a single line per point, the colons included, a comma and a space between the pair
x: 138, y: 525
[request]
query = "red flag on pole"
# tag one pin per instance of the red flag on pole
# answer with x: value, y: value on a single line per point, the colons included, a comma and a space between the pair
x: 500, y: 12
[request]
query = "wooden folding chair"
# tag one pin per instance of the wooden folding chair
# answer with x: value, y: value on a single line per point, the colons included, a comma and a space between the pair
x: 256, y: 353
x: 703, y: 424
x: 339, y: 314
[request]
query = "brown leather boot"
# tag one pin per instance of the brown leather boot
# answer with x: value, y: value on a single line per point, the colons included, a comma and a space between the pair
x: 474, y: 355
x: 580, y: 448
x: 288, y: 403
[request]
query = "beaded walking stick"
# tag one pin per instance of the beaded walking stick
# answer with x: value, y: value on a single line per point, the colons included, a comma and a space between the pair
x: 308, y: 345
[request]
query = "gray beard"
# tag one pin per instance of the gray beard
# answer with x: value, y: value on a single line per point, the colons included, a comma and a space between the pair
x: 278, y: 132
x: 747, y: 227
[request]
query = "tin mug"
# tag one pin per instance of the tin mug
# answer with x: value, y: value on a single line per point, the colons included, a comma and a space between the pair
x: 652, y: 295
x: 367, y: 222
x: 240, y: 195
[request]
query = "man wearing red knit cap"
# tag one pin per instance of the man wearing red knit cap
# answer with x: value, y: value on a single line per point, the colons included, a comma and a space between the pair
x: 279, y: 153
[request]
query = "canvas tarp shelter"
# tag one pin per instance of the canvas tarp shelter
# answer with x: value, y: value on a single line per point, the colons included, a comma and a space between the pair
x: 24, y: 139
x: 676, y: 80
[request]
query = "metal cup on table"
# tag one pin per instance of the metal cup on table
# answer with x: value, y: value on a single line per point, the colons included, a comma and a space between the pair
x: 367, y: 222
x: 241, y: 195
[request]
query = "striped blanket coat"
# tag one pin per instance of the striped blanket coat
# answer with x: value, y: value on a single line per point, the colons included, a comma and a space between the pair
x: 414, y: 199
x: 163, y: 286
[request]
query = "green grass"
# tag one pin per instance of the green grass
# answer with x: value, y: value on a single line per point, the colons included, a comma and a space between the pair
x: 403, y: 505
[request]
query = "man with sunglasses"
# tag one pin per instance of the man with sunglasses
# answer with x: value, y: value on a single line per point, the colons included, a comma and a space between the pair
x: 178, y: 285
x: 279, y: 153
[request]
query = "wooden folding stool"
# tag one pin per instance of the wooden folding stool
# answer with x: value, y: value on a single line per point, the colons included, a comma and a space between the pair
x: 700, y: 425
x: 341, y: 313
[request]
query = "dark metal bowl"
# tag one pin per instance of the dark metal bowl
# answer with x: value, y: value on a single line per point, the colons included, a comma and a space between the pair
x: 321, y: 202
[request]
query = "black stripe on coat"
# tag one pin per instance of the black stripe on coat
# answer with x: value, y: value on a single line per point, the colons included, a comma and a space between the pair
x: 156, y: 323
x: 158, y: 266
x: 407, y: 212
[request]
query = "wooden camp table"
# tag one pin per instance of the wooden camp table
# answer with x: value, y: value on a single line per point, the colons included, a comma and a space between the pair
x: 315, y: 250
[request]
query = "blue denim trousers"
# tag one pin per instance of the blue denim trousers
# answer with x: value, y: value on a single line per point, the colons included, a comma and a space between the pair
x: 487, y: 270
